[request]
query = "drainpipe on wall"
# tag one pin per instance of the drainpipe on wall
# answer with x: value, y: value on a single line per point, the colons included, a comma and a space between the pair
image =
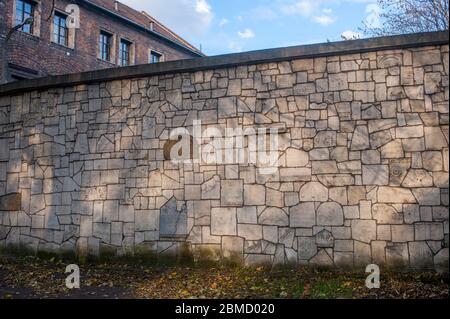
x: 4, y: 75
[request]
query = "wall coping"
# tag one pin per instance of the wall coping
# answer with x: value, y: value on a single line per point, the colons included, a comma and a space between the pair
x: 231, y: 60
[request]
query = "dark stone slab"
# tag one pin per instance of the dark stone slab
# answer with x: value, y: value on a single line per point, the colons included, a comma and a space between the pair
x: 325, y: 239
x: 11, y: 202
x: 173, y: 223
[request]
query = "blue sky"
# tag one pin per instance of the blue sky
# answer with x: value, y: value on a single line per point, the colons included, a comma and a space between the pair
x: 226, y: 26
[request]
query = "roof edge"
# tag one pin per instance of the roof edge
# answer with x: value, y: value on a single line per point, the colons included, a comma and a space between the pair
x: 230, y: 60
x: 143, y: 28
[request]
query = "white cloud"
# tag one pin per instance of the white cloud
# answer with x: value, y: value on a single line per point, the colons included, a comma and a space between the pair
x: 303, y: 7
x: 310, y: 9
x: 202, y: 7
x: 246, y: 34
x: 351, y: 35
x: 324, y: 20
x: 190, y: 18
x: 223, y: 22
x: 264, y: 13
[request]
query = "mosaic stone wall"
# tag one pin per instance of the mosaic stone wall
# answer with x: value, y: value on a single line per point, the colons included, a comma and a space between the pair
x: 364, y: 153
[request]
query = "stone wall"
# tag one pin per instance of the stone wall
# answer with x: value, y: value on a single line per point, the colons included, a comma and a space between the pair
x: 363, y: 150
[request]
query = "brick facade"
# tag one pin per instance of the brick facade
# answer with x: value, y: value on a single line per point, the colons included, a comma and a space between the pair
x: 37, y: 55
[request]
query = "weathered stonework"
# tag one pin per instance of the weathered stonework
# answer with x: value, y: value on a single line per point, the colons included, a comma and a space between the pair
x: 363, y: 173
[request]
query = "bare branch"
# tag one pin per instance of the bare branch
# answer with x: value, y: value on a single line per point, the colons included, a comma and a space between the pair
x: 408, y: 16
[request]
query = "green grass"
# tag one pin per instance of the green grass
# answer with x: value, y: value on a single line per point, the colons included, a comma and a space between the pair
x: 330, y: 289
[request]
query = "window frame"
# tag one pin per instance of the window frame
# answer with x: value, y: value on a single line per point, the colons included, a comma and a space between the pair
x: 56, y: 29
x: 129, y: 50
x: 153, y: 53
x: 25, y: 15
x: 109, y: 46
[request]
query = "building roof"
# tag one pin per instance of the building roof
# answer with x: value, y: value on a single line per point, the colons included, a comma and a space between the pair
x: 145, y: 20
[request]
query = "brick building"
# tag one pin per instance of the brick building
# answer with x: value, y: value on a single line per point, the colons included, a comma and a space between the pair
x: 110, y: 34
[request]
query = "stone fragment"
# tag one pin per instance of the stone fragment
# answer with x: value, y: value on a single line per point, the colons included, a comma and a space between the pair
x: 427, y: 196
x: 365, y: 209
x: 378, y: 252
x: 413, y: 144
x: 432, y: 82
x: 426, y: 57
x: 211, y: 188
x: 432, y: 161
x: 330, y: 214
x: 172, y: 221
x: 386, y: 214
x: 146, y: 220
x: 428, y: 231
x: 402, y: 233
x: 331, y: 180
x: 322, y: 259
x: 393, y: 149
x: 296, y: 158
x: 397, y: 255
x: 232, y: 248
x: 313, y: 192
x: 375, y: 174
x: 250, y: 232
x: 11, y: 202
x: 227, y: 107
x: 247, y: 215
x: 441, y: 261
x: 325, y: 139
x: 420, y: 255
x: 232, y: 192
x: 302, y: 215
x: 307, y: 248
x: 411, y: 213
x: 398, y: 170
x: 360, y: 140
x: 395, y: 195
x: 81, y: 144
x: 364, y: 230
x: 254, y: 195
x: 273, y: 216
x: 223, y: 221
x: 409, y: 131
x: 434, y: 139
x: 324, y: 167
x: 302, y: 174
x: 324, y: 239
x: 338, y: 82
x: 417, y: 178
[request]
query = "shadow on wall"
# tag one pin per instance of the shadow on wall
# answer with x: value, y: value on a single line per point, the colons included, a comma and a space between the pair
x: 83, y: 169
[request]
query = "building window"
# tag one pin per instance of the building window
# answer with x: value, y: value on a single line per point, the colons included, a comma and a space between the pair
x: 125, y: 52
x: 155, y: 57
x: 60, y: 30
x: 24, y: 10
x: 105, y: 46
